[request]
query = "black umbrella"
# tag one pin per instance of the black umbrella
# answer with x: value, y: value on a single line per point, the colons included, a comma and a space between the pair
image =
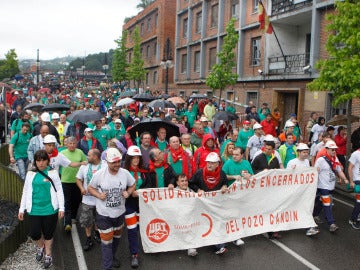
x: 56, y: 107
x: 84, y: 116
x: 225, y: 116
x: 144, y: 97
x: 34, y: 106
x: 165, y: 96
x: 160, y: 103
x: 198, y: 96
x: 152, y: 125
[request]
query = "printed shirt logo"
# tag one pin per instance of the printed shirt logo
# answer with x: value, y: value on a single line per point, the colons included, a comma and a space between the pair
x: 157, y: 230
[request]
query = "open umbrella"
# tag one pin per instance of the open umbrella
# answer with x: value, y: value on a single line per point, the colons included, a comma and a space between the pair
x: 198, y: 96
x: 34, y: 106
x: 56, y: 107
x: 44, y: 90
x: 342, y: 120
x: 176, y: 100
x: 129, y: 93
x: 124, y: 101
x: 152, y: 125
x: 161, y: 103
x: 164, y: 96
x: 84, y: 116
x: 144, y: 97
x: 225, y: 116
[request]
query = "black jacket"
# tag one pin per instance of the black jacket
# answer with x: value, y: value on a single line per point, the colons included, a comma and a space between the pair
x: 260, y: 163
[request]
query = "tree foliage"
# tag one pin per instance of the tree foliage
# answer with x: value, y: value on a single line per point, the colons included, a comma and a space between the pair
x: 340, y: 72
x: 136, y: 69
x: 9, y: 67
x: 144, y: 3
x: 221, y: 74
x: 120, y: 65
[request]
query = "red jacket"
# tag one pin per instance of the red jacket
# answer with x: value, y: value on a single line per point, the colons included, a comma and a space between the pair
x: 341, y: 144
x: 268, y: 127
x: 202, y: 152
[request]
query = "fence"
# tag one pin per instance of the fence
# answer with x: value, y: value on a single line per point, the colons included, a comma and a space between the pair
x: 11, y: 187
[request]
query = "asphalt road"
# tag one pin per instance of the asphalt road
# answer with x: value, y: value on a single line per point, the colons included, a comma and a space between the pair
x: 327, y: 250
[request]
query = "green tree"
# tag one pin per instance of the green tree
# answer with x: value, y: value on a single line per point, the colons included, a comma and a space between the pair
x: 120, y: 65
x: 10, y: 66
x: 221, y: 74
x: 144, y: 3
x: 136, y: 68
x: 340, y: 72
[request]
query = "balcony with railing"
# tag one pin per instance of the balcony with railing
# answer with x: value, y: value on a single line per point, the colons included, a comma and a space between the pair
x: 290, y: 64
x: 283, y: 6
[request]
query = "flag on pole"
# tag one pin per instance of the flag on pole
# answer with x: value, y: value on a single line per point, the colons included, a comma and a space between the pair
x: 264, y: 20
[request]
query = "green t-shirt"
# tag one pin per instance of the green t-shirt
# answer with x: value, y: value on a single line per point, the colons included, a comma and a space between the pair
x: 176, y: 166
x: 102, y: 135
x: 234, y: 168
x: 68, y: 174
x: 161, y: 145
x: 244, y: 137
x: 191, y: 117
x: 21, y: 143
x: 160, y: 177
x: 41, y: 197
x: 17, y: 125
x: 139, y: 181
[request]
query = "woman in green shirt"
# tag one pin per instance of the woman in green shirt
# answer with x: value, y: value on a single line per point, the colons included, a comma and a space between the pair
x: 43, y: 200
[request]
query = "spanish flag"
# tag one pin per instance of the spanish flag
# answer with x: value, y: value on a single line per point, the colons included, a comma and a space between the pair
x: 264, y: 20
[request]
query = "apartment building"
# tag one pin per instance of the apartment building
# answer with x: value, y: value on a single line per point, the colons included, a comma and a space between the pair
x: 266, y: 72
x: 156, y: 25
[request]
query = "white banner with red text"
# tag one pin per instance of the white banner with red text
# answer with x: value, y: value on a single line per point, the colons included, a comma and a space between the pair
x: 271, y: 201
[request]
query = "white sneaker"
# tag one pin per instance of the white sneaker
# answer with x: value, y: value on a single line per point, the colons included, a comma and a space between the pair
x: 192, y: 252
x: 312, y: 231
x: 239, y: 242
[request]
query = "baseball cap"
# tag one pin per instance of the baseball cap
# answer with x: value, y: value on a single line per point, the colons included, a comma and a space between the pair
x: 45, y: 117
x: 203, y: 119
x: 269, y: 138
x: 212, y: 157
x: 49, y: 139
x: 302, y: 146
x: 246, y: 122
x: 113, y: 155
x: 134, y: 151
x: 257, y: 126
x: 331, y: 145
x: 88, y: 130
x: 55, y: 116
x: 118, y: 121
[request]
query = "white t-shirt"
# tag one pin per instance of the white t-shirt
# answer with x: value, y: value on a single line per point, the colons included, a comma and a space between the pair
x: 59, y: 160
x: 114, y: 204
x: 86, y: 171
x: 327, y: 177
x: 255, y: 143
x: 355, y: 160
x: 316, y: 130
x: 297, y: 163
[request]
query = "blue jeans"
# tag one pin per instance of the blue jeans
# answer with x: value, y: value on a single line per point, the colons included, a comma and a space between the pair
x: 22, y: 164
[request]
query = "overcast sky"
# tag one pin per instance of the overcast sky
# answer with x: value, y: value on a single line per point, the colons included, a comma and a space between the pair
x: 61, y: 28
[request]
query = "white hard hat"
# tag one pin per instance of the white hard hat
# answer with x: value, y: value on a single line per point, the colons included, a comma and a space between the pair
x: 118, y: 121
x: 55, y: 116
x: 134, y: 151
x: 88, y: 130
x: 112, y: 155
x: 257, y: 126
x: 203, y: 119
x: 289, y: 124
x: 269, y: 138
x: 331, y: 144
x: 49, y: 139
x: 212, y: 157
x: 45, y: 117
x: 302, y: 146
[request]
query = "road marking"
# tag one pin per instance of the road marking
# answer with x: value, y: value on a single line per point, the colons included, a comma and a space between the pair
x: 343, y: 202
x: 78, y: 249
x: 295, y: 255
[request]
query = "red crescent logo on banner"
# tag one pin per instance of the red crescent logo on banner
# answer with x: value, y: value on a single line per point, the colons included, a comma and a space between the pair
x: 210, y: 224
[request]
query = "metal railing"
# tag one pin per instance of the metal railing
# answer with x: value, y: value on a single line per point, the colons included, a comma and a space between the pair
x: 291, y: 64
x: 11, y: 186
x: 282, y: 6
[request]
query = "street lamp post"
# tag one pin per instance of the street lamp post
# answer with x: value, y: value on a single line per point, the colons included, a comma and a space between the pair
x: 105, y: 66
x: 166, y: 63
x: 37, y: 68
x: 83, y: 69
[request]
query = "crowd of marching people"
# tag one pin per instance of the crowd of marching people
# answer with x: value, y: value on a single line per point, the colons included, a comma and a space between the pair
x: 96, y: 168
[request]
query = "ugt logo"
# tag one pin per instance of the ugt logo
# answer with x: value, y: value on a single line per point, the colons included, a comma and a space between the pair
x: 157, y: 230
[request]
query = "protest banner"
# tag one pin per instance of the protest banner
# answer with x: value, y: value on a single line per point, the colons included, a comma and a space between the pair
x: 273, y: 200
